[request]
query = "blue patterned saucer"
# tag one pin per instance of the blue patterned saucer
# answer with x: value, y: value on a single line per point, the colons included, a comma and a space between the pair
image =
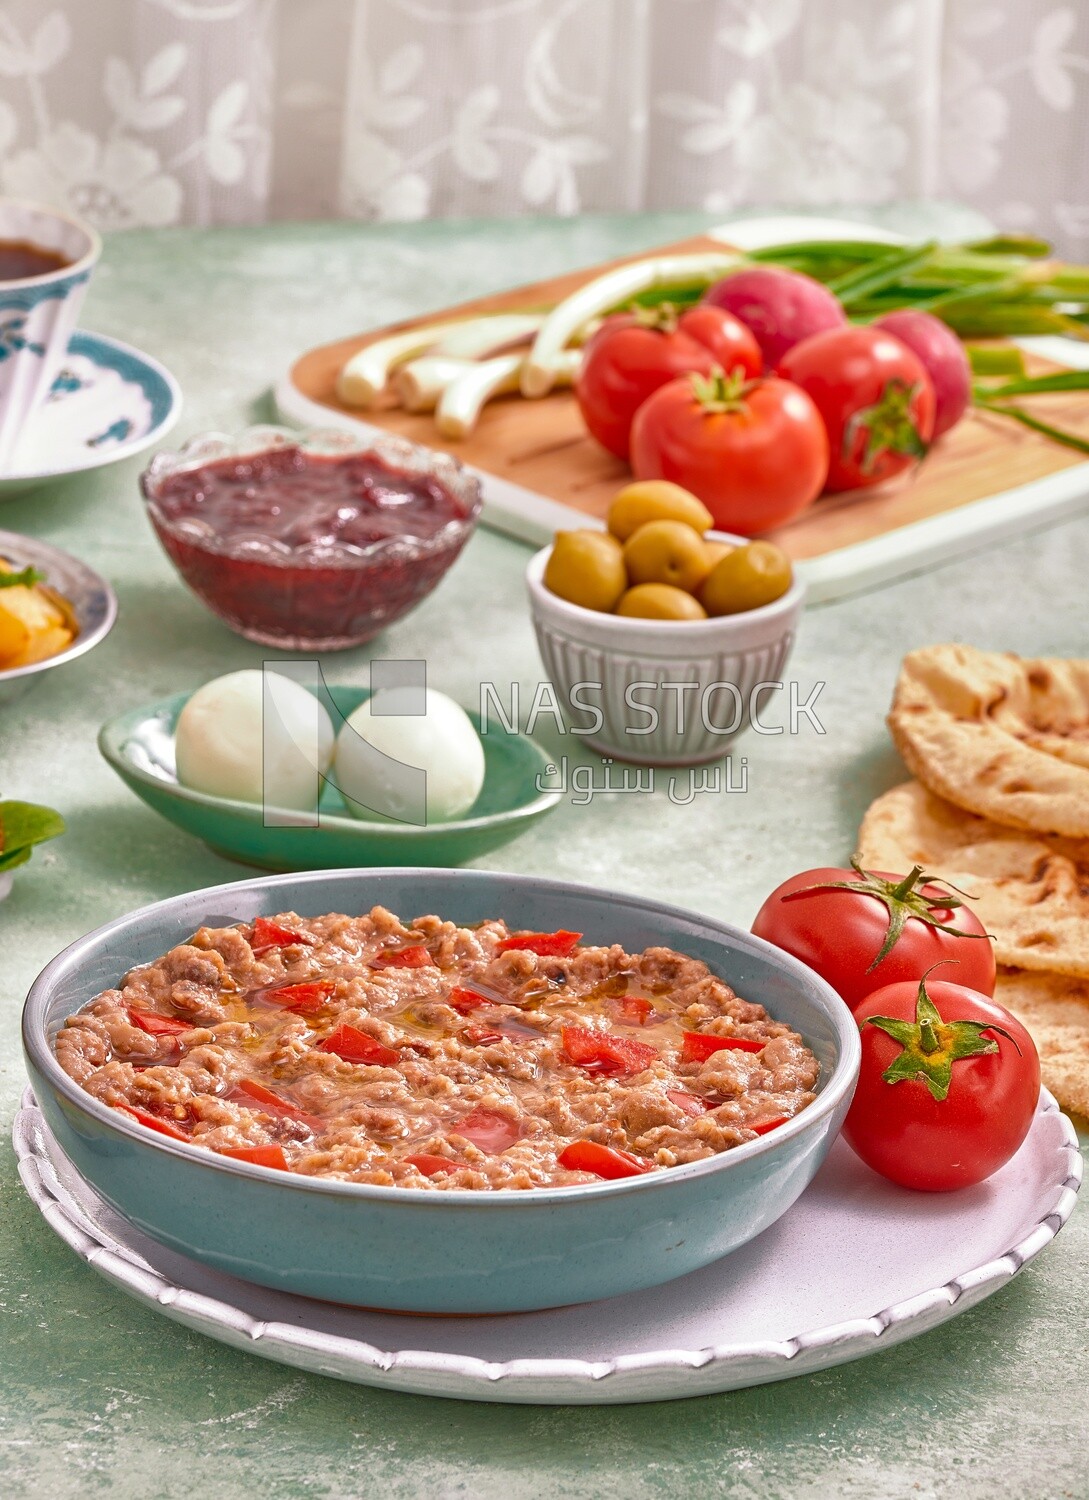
x: 108, y: 402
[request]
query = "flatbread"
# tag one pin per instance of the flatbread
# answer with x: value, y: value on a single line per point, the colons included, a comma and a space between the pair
x: 1031, y: 890
x: 997, y: 735
x: 1055, y: 1011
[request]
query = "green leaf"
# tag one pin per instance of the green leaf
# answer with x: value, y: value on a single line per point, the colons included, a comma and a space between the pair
x: 24, y: 579
x: 13, y: 860
x: 24, y: 824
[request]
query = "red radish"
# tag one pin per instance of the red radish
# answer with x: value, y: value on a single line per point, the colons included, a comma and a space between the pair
x: 781, y: 307
x: 942, y: 355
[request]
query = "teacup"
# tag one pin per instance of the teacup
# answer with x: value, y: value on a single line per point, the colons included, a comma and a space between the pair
x: 48, y: 257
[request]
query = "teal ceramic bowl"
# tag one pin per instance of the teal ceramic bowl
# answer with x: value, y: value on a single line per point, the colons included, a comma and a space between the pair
x: 139, y: 745
x: 455, y: 1251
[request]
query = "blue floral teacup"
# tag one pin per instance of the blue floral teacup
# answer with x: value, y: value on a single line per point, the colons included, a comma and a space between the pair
x: 38, y: 311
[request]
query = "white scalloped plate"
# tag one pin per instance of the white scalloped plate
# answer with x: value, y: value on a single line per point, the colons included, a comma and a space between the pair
x: 855, y: 1266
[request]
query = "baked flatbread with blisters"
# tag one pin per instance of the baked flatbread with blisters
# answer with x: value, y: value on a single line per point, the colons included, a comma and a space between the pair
x: 1055, y: 1010
x: 998, y: 735
x: 1030, y: 890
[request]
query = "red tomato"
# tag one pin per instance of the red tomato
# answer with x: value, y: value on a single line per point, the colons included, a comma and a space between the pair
x: 153, y: 1122
x: 429, y: 1165
x: 355, y: 1046
x: 269, y: 934
x: 304, y: 999
x: 416, y: 957
x: 874, y: 396
x: 698, y: 1046
x: 598, y: 1052
x: 260, y: 1156
x: 756, y: 454
x: 559, y: 944
x: 841, y: 932
x: 947, y: 1089
x: 630, y: 1010
x: 632, y: 354
x: 248, y: 1091
x: 602, y: 1161
x: 688, y: 1102
x: 466, y: 1001
x: 157, y: 1025
x: 488, y: 1129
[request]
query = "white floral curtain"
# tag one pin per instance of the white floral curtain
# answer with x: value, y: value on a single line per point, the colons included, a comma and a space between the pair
x: 159, y: 112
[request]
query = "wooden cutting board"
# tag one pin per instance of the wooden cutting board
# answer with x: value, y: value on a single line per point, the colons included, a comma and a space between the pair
x: 987, y: 479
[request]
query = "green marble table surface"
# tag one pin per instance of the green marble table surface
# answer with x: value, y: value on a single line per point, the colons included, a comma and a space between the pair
x: 101, y: 1397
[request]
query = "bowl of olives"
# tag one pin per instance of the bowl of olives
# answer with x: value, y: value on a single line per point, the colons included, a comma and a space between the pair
x: 659, y: 634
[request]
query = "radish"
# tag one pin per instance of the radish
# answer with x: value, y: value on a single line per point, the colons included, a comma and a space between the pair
x: 781, y: 307
x: 942, y: 355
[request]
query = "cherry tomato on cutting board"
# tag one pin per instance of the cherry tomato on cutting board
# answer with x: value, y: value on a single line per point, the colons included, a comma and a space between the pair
x: 755, y: 452
x: 633, y: 354
x: 861, y: 929
x: 874, y: 396
x: 947, y: 1088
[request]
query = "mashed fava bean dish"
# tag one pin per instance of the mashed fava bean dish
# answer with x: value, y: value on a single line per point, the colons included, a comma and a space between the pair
x: 434, y: 1056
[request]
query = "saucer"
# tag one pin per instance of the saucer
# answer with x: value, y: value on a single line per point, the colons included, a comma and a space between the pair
x: 139, y: 745
x: 856, y: 1266
x: 108, y: 402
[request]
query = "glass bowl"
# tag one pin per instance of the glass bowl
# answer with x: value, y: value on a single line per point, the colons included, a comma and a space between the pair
x: 315, y: 596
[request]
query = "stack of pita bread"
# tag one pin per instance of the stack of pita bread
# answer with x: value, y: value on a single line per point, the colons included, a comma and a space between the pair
x: 1000, y: 809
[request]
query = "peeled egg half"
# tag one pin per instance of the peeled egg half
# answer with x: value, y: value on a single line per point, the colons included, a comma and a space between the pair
x: 227, y: 747
x: 382, y: 751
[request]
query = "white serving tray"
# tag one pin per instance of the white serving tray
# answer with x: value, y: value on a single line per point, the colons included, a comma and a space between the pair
x: 855, y: 1266
x: 532, y: 517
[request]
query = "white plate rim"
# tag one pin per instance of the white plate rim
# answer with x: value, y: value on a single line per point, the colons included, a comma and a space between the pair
x: 25, y: 479
x: 552, y: 1381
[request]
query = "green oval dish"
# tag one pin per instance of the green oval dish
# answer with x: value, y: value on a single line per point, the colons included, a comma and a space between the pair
x: 139, y: 745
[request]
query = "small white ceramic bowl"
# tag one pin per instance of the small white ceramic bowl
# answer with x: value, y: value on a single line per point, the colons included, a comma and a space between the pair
x: 625, y: 665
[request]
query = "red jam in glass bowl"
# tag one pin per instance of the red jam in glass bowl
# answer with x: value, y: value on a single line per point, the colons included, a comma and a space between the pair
x: 310, y: 541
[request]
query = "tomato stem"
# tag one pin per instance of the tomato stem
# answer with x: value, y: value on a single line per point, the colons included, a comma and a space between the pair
x: 662, y: 318
x: 930, y: 1046
x: 888, y: 425
x: 903, y: 899
x: 719, y: 392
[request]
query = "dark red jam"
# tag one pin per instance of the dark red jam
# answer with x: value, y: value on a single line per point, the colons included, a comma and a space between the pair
x: 276, y: 542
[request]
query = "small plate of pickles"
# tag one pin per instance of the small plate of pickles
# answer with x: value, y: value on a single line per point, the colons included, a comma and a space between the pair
x: 53, y: 608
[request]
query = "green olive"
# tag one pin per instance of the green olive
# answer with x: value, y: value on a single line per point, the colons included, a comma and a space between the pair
x: 660, y: 601
x: 587, y: 568
x: 666, y: 552
x: 747, y: 578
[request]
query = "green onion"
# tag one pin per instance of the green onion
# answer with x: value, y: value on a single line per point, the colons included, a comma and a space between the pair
x: 1038, y: 385
x: 882, y: 273
x: 1019, y: 414
x: 987, y: 359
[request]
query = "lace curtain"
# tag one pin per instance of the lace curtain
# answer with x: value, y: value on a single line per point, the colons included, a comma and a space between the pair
x: 156, y: 112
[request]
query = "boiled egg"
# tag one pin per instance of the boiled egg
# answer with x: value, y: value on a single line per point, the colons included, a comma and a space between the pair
x: 255, y: 736
x: 392, y: 763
